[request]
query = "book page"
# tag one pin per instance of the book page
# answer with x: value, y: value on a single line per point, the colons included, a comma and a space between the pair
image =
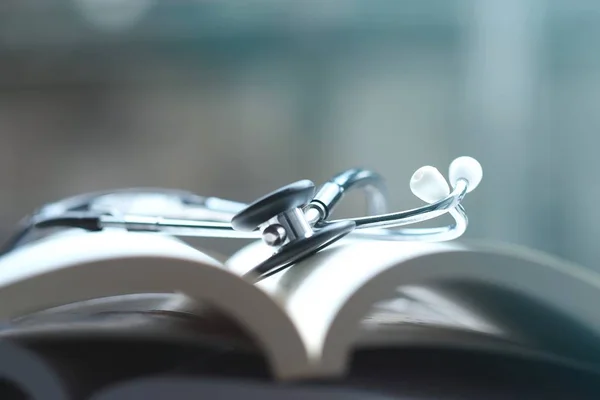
x: 79, y: 269
x: 329, y: 295
x: 426, y: 306
x: 312, y: 301
x: 409, y: 311
x: 423, y: 316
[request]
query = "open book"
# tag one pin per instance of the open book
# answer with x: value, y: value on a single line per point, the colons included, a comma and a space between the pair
x: 309, y: 319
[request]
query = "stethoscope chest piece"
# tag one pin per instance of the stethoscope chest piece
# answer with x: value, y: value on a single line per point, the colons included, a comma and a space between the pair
x: 280, y: 217
x: 280, y: 201
x: 297, y: 250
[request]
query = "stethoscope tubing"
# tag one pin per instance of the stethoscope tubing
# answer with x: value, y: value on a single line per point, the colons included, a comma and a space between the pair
x: 75, y: 212
x: 366, y: 227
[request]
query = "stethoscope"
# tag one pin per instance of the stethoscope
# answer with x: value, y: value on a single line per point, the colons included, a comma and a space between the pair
x: 293, y: 220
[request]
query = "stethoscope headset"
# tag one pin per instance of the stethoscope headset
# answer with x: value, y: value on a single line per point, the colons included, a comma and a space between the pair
x: 293, y: 219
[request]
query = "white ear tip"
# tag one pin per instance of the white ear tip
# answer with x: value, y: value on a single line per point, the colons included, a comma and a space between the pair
x: 428, y: 184
x: 466, y: 168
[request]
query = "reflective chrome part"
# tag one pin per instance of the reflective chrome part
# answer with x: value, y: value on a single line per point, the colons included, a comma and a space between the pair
x: 328, y: 196
x: 274, y: 235
x: 372, y: 183
x: 176, y: 227
x: 314, y: 212
x: 295, y: 224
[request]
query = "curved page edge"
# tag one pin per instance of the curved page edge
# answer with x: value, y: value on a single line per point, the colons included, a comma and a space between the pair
x: 81, y: 269
x: 351, y: 277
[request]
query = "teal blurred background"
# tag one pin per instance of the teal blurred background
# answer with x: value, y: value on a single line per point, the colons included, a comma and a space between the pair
x: 236, y: 98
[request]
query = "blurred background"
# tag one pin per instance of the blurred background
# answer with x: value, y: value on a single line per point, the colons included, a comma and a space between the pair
x: 236, y: 98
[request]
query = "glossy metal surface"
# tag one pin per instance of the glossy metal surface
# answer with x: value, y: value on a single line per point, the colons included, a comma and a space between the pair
x: 370, y: 182
x: 177, y: 227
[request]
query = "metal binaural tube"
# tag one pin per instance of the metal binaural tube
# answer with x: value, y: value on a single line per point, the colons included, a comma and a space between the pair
x: 415, y: 215
x: 440, y: 234
x: 183, y: 227
x: 330, y: 194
